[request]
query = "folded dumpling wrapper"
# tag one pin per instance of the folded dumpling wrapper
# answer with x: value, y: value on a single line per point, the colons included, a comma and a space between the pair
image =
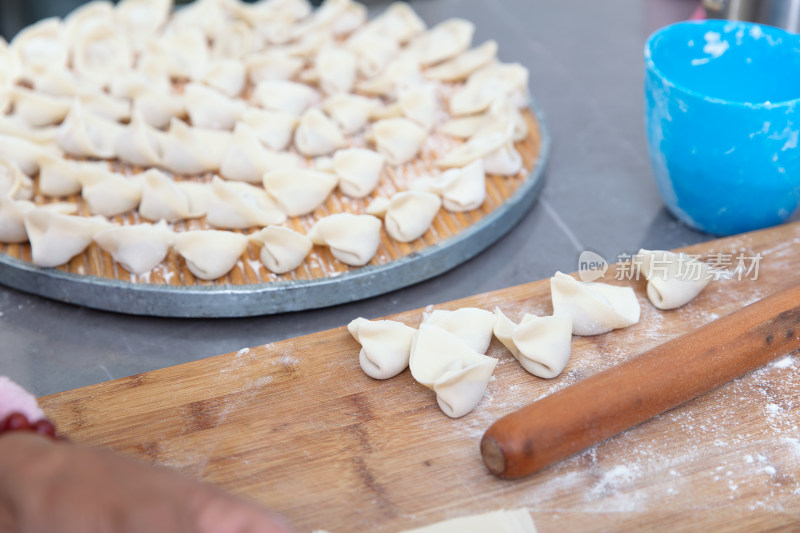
x: 85, y: 134
x: 12, y: 216
x: 42, y: 45
x: 26, y: 154
x: 446, y: 364
x: 237, y: 205
x: 189, y: 150
x: 170, y: 200
x: 504, y: 161
x: 299, y: 191
x: 444, y: 41
x: 420, y: 103
x: 408, y: 214
x: 399, y: 139
x: 489, y: 84
x: 318, y: 134
x: 352, y: 239
x: 36, y: 109
x: 385, y: 346
x: 272, y: 65
x: 482, y: 144
x: 273, y: 128
x: 139, y: 247
x: 210, y: 254
x: 100, y: 52
x: 109, y: 193
x: 358, y: 169
x: 211, y: 109
x: 336, y: 68
x: 16, y: 128
x: 673, y: 279
x: 350, y: 111
x: 13, y: 182
x: 542, y: 345
x: 399, y: 22
x: 472, y: 325
x: 56, y: 238
x: 140, y: 143
x: 228, y: 76
x: 402, y: 71
x: 282, y: 249
x: 464, y: 64
x: 595, y: 307
x: 141, y: 19
x: 373, y: 52
x: 463, y: 189
x: 157, y: 106
x: 247, y: 159
x: 12, y: 219
x: 287, y: 96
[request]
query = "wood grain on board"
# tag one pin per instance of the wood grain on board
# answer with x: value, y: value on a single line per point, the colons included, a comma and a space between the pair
x: 320, y: 263
x: 299, y: 427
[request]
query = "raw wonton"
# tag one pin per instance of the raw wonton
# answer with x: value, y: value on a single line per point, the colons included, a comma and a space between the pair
x: 352, y: 239
x: 139, y: 247
x: 408, y: 214
x: 457, y: 374
x: 385, y: 346
x: 359, y: 170
x: 234, y: 205
x: 282, y: 249
x: 594, y: 307
x: 542, y: 345
x: 299, y: 191
x: 399, y: 139
x: 673, y: 279
x: 210, y: 254
x: 56, y: 238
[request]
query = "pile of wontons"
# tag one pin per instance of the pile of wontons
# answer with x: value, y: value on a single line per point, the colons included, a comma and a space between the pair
x: 242, y: 116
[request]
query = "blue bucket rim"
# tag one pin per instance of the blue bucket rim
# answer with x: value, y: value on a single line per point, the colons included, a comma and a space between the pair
x: 715, y: 23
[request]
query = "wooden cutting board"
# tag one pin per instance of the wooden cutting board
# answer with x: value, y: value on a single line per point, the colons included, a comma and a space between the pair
x: 299, y: 427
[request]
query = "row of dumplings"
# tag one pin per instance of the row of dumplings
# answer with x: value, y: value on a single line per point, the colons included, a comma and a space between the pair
x: 56, y: 235
x: 238, y: 205
x: 447, y: 353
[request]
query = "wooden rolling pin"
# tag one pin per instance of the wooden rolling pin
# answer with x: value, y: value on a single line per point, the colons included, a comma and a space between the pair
x: 619, y: 398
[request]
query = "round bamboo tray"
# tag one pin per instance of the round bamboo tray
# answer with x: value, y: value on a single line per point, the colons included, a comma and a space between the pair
x: 94, y: 279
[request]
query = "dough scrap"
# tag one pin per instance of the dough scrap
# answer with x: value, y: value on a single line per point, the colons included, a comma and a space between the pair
x: 516, y: 521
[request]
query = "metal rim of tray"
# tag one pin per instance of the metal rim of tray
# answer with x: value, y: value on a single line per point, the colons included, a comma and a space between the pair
x: 282, y: 296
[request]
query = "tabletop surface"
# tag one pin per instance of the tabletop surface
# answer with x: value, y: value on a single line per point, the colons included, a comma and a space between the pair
x: 585, y: 60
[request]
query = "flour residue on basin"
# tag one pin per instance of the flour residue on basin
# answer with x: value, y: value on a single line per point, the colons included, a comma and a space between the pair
x: 714, y: 47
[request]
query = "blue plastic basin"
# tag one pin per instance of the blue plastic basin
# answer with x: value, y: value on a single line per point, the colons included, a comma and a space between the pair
x: 721, y: 111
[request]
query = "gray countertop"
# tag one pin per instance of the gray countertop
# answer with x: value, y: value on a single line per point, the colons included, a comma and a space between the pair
x: 585, y: 59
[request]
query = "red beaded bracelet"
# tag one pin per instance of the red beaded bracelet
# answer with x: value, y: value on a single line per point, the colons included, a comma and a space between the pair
x: 19, y: 422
